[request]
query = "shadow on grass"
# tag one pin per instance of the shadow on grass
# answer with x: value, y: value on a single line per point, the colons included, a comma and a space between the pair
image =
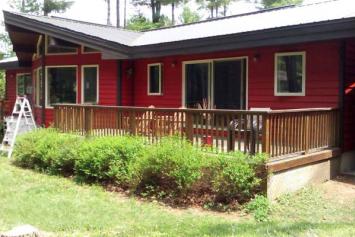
x: 280, y: 229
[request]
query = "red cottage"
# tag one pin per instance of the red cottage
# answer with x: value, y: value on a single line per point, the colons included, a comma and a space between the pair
x: 277, y: 60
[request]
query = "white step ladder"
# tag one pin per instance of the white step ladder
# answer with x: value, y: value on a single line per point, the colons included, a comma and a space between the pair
x: 19, y: 122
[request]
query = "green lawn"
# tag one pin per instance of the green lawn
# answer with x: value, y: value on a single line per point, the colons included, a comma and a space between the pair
x: 59, y: 206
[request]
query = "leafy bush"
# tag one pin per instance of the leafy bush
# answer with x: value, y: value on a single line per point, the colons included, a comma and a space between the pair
x: 172, y: 168
x: 259, y: 207
x: 172, y: 164
x: 107, y: 158
x: 234, y: 176
x: 47, y: 150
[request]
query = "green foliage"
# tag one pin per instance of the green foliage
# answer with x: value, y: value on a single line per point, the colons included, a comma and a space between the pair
x: 234, y: 176
x: 26, y: 6
x: 107, y: 158
x: 57, y: 6
x: 279, y: 3
x: 38, y: 7
x: 140, y: 23
x: 2, y: 84
x: 260, y: 208
x: 171, y: 164
x: 189, y: 16
x: 47, y: 150
x: 170, y: 168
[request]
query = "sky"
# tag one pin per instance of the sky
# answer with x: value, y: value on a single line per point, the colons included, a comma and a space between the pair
x: 95, y: 10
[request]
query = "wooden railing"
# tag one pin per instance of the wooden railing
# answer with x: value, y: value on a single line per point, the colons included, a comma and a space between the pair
x: 277, y: 133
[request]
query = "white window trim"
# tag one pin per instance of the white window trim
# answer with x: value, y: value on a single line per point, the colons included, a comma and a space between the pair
x: 303, y: 93
x: 97, y: 83
x: 211, y: 60
x: 54, y: 54
x: 160, y: 79
x: 17, y: 76
x: 82, y: 50
x: 47, y: 88
x: 38, y: 53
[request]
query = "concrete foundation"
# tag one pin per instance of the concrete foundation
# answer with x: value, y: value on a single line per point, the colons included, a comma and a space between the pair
x: 348, y: 163
x: 291, y: 180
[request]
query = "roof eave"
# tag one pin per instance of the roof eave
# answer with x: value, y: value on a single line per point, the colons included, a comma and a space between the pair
x: 114, y: 49
x: 320, y: 31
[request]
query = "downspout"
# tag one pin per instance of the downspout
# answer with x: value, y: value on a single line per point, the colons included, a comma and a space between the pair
x: 43, y: 82
x: 342, y: 62
x: 119, y: 82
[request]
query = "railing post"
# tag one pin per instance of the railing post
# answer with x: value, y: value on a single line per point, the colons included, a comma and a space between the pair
x: 132, y: 123
x: 87, y: 121
x: 189, y: 126
x: 307, y: 133
x: 266, y: 134
x: 231, y: 136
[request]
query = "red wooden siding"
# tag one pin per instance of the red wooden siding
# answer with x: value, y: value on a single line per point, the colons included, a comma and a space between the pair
x: 322, y: 77
x: 349, y: 100
x: 107, y: 77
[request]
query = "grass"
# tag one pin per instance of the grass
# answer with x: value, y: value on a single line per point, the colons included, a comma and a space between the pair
x: 59, y: 206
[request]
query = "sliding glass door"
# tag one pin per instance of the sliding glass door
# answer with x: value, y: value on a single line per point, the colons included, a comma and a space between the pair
x: 219, y: 84
x: 197, y: 79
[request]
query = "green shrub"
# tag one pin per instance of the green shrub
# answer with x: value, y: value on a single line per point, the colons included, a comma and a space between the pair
x: 107, y: 158
x: 47, y: 150
x: 234, y: 176
x: 259, y: 207
x: 171, y: 164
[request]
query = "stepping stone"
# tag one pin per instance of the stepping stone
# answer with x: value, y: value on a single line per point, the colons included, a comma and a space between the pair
x: 22, y: 231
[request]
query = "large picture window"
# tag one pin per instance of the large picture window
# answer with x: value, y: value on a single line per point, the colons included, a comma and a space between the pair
x: 290, y: 74
x: 154, y: 79
x: 90, y: 84
x: 61, y: 85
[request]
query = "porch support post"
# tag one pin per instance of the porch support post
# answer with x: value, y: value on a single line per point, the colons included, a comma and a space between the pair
x: 43, y: 54
x: 342, y: 64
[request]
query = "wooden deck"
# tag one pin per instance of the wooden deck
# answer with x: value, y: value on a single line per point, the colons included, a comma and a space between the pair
x: 279, y: 133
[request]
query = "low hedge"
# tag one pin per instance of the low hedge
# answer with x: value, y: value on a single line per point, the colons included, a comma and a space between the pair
x: 170, y: 168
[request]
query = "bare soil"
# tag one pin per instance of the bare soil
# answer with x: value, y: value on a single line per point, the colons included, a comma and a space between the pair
x: 341, y: 189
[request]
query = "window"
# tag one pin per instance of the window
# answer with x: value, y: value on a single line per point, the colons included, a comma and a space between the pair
x: 38, y: 81
x: 154, y: 79
x: 61, y: 85
x: 89, y: 50
x: 58, y: 46
x: 21, y: 80
x: 90, y: 84
x: 290, y: 74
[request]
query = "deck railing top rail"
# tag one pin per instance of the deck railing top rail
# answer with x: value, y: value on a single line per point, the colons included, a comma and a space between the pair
x: 199, y: 110
x: 276, y: 132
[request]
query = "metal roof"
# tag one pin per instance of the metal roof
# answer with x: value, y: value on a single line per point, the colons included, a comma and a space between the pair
x: 9, y: 63
x: 274, y: 18
x: 109, y: 33
x: 260, y: 20
x: 328, y: 20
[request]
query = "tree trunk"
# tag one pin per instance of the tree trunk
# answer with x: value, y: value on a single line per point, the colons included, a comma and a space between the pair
x: 23, y: 6
x: 118, y: 13
x: 157, y: 12
x: 211, y: 12
x: 45, y: 6
x: 108, y: 12
x: 216, y: 8
x: 224, y: 10
x: 173, y: 13
x: 125, y: 14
